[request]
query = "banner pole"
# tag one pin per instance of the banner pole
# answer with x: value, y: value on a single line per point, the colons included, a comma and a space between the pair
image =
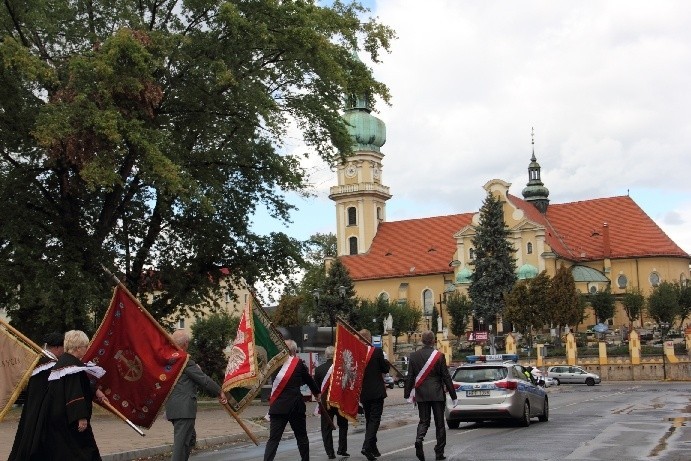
x: 117, y: 413
x: 241, y: 423
x: 326, y: 414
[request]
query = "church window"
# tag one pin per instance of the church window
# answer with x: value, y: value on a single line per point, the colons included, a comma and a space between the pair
x: 654, y: 279
x: 352, y: 216
x: 472, y: 254
x: 622, y: 281
x: 529, y: 248
x: 352, y: 241
x: 384, y: 296
x: 379, y: 218
x: 181, y: 324
x: 427, y: 302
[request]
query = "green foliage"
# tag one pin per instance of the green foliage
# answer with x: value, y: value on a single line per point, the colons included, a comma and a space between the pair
x: 434, y: 319
x: 332, y: 304
x: 525, y: 304
x: 459, y: 308
x: 633, y: 302
x: 370, y: 314
x: 684, y: 302
x: 602, y: 303
x: 288, y: 311
x: 210, y: 335
x: 663, y: 303
x: 565, y: 305
x: 495, y: 266
x: 147, y: 134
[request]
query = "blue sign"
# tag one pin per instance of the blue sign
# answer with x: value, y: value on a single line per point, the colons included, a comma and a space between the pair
x: 376, y: 341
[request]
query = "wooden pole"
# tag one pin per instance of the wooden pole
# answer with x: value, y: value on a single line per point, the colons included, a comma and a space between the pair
x: 105, y: 404
x: 241, y: 423
x: 325, y: 414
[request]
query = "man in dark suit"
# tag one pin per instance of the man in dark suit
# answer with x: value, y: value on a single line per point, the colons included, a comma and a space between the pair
x: 320, y: 373
x: 428, y: 377
x: 181, y: 407
x: 372, y: 397
x: 287, y: 406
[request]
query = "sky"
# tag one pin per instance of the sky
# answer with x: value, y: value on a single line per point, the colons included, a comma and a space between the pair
x: 604, y: 84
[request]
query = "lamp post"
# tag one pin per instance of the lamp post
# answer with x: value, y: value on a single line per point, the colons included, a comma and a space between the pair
x: 664, y: 327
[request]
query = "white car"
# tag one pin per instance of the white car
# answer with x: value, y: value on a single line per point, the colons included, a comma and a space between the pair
x: 549, y: 382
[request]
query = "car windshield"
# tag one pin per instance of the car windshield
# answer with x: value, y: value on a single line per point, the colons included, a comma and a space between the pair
x: 480, y: 374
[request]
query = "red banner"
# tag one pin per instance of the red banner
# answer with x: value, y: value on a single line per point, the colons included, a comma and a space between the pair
x: 141, y: 361
x: 350, y: 359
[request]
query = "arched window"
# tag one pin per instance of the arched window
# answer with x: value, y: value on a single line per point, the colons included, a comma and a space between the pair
x: 384, y: 296
x: 654, y: 279
x: 622, y: 281
x: 379, y: 218
x: 352, y: 216
x: 472, y: 254
x: 427, y: 302
x: 529, y: 248
x: 352, y: 241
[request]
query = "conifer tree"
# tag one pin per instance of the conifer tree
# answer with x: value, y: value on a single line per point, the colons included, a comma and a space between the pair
x: 495, y: 266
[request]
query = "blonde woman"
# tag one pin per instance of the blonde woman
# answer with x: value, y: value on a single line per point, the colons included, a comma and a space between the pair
x: 70, y: 394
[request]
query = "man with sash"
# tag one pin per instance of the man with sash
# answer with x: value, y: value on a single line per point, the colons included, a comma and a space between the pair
x: 322, y: 376
x: 287, y: 406
x: 372, y: 397
x: 428, y: 377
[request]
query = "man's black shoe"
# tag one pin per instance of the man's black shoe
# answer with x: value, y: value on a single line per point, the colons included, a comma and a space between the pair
x: 376, y: 453
x: 331, y: 456
x: 440, y: 457
x: 342, y: 453
x: 419, y: 452
x: 368, y: 454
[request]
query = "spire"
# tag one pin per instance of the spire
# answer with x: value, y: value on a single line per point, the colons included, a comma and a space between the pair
x: 535, y: 191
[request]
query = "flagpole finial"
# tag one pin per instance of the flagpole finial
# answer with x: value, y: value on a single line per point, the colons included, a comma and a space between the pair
x: 116, y: 280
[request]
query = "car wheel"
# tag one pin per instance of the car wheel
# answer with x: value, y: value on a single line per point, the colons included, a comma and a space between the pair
x: 525, y: 418
x: 557, y: 382
x: 590, y: 381
x: 401, y: 384
x: 452, y: 423
x: 545, y: 414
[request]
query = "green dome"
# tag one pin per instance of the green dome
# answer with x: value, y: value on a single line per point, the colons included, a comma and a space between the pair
x: 527, y: 271
x: 463, y: 275
x: 367, y: 131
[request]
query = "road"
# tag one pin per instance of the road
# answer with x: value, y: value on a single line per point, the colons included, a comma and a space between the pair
x: 611, y: 421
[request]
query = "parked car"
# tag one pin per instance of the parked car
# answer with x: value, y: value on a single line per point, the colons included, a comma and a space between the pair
x: 495, y: 389
x: 389, y: 381
x: 566, y: 374
x: 400, y: 380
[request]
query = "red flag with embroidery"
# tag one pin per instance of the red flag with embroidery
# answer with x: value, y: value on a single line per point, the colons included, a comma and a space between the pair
x: 141, y: 361
x: 350, y: 359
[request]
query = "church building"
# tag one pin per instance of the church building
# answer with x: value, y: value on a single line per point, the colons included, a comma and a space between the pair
x: 606, y: 242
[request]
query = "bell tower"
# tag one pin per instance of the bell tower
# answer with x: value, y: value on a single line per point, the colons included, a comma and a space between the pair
x: 360, y: 196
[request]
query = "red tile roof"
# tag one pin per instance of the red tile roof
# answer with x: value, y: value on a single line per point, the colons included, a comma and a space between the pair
x: 411, y: 247
x: 574, y: 231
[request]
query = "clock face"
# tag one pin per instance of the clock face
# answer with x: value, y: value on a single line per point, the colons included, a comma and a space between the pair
x: 350, y: 171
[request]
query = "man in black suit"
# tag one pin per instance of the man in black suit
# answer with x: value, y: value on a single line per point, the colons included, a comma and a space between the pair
x: 322, y: 380
x: 428, y: 377
x: 372, y: 397
x: 287, y: 406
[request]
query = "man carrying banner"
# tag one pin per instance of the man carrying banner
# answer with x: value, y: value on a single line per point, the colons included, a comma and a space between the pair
x: 322, y: 376
x: 181, y: 407
x: 287, y: 406
x: 372, y: 397
x: 27, y: 439
x: 428, y: 376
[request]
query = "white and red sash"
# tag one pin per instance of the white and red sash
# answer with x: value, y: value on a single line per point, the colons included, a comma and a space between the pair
x: 324, y: 387
x: 283, y: 377
x: 424, y: 372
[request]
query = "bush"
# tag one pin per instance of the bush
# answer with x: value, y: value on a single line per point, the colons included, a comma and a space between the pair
x: 210, y: 335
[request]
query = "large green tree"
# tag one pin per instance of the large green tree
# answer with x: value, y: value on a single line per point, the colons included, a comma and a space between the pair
x: 565, y: 305
x: 145, y: 135
x: 602, y: 302
x: 336, y: 297
x: 459, y: 308
x: 495, y: 266
x: 526, y: 303
x: 210, y: 336
x: 633, y: 302
x: 663, y: 304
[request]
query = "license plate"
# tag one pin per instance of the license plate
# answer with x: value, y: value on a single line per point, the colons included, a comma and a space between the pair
x: 476, y: 393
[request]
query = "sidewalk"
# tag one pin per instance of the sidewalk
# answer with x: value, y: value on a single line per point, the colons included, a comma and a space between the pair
x: 119, y: 442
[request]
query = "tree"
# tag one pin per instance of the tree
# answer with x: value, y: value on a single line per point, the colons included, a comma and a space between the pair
x: 210, y: 336
x: 459, y: 308
x: 332, y: 303
x: 602, y: 303
x: 565, y: 306
x: 663, y: 304
x: 684, y: 302
x: 370, y: 314
x: 434, y: 320
x: 526, y: 302
x: 288, y: 311
x: 633, y: 302
x: 145, y: 135
x: 495, y: 266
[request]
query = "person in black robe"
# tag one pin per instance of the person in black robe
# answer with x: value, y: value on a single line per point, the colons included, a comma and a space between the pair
x: 26, y: 444
x: 69, y: 404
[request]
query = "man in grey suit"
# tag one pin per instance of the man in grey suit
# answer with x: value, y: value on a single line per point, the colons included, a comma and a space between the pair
x: 181, y: 407
x: 428, y: 377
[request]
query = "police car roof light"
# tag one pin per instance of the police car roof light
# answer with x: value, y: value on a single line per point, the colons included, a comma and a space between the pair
x: 493, y: 358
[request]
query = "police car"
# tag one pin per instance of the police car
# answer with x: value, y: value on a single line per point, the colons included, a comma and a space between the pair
x: 495, y: 387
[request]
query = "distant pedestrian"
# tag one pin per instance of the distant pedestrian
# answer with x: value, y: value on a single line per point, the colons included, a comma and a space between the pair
x: 372, y: 397
x: 287, y: 406
x: 69, y: 403
x: 322, y: 375
x: 428, y: 378
x: 181, y: 407
x: 27, y: 440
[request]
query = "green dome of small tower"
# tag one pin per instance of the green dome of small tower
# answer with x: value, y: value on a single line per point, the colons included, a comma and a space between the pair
x: 463, y: 275
x: 526, y: 271
x: 535, y: 191
x: 368, y: 132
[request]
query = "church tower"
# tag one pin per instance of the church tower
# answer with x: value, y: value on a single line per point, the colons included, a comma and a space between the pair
x: 535, y: 191
x: 360, y: 195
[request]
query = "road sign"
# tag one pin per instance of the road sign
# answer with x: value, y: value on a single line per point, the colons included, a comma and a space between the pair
x: 376, y: 341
